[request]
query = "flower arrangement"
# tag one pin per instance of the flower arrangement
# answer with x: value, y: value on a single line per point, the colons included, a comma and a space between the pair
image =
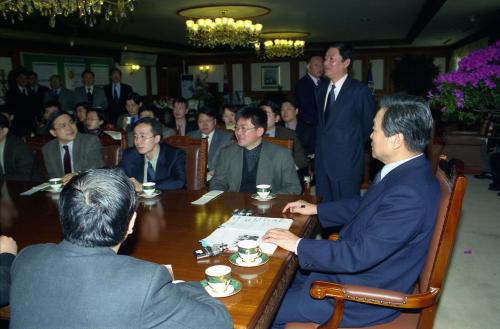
x: 164, y: 102
x: 471, y: 90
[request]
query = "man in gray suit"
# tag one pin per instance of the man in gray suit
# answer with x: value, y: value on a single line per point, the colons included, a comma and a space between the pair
x: 90, y: 93
x: 71, y: 151
x: 82, y: 282
x: 217, y: 138
x: 63, y: 96
x: 253, y: 161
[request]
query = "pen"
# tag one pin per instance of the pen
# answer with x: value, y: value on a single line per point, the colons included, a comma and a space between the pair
x: 303, y: 206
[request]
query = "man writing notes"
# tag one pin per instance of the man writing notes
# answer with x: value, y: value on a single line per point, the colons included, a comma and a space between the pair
x: 82, y: 282
x: 240, y: 167
x: 385, y: 234
x: 345, y: 113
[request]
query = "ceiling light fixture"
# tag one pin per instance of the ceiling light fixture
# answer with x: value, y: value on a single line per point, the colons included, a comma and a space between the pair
x: 285, y: 44
x: 87, y: 10
x: 212, y: 26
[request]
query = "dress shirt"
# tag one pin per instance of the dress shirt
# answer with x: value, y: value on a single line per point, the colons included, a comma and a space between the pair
x: 70, y: 148
x: 338, y: 85
x: 23, y: 90
x: 314, y: 79
x: 181, y: 128
x: 209, y: 137
x: 87, y: 89
x: 271, y: 133
x: 153, y: 161
x: 117, y: 88
x: 291, y: 125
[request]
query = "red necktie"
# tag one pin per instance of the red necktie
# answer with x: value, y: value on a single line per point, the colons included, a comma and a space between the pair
x: 67, y: 160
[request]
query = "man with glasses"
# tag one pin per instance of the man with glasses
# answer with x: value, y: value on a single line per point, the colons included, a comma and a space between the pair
x: 70, y: 152
x: 253, y: 161
x: 153, y: 161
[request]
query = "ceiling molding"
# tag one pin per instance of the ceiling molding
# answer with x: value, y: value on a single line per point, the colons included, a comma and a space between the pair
x: 429, y: 10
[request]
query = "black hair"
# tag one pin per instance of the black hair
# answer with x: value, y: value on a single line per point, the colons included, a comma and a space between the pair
x: 115, y: 69
x: 52, y: 103
x: 95, y: 208
x: 149, y: 108
x: 209, y: 111
x: 57, y: 114
x: 409, y: 115
x: 274, y: 107
x: 257, y: 116
x: 155, y: 125
x: 290, y: 100
x: 31, y: 73
x: 180, y: 100
x: 135, y: 97
x: 345, y: 51
x: 100, y: 114
x: 88, y: 71
x: 4, y: 121
x: 86, y: 105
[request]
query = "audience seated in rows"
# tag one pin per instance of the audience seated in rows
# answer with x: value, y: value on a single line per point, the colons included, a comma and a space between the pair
x: 180, y: 123
x: 82, y: 282
x: 240, y: 167
x: 70, y: 152
x: 228, y: 116
x: 217, y: 138
x: 151, y: 160
x: 304, y: 131
x: 57, y: 93
x: 90, y: 93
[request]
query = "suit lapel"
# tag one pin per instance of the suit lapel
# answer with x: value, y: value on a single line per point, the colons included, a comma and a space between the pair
x: 338, y: 105
x: 265, y: 160
x: 138, y: 166
x: 237, y: 174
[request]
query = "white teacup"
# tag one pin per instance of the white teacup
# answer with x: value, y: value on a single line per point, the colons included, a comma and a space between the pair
x: 263, y: 190
x: 249, y: 250
x: 149, y: 188
x: 218, y: 277
x: 55, y: 184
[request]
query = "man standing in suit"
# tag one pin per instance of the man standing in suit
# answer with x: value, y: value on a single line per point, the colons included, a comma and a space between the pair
x: 385, y: 234
x: 90, y: 93
x: 17, y: 161
x: 304, y: 131
x: 21, y: 102
x: 37, y: 90
x: 70, y: 152
x: 8, y: 251
x: 346, y: 109
x: 305, y: 90
x: 63, y: 96
x: 82, y: 282
x: 217, y: 138
x: 116, y: 93
x: 151, y: 160
x: 253, y: 161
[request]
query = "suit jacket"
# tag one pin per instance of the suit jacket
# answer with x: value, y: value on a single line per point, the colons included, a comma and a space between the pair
x: 190, y: 125
x: 220, y: 139
x: 86, y: 155
x: 78, y: 287
x: 340, y: 141
x: 298, y: 152
x: 66, y: 99
x: 383, y: 242
x: 306, y: 100
x: 116, y: 108
x: 276, y: 167
x: 170, y: 169
x: 19, y: 161
x: 307, y: 136
x: 6, y: 260
x: 25, y: 110
x: 99, y: 98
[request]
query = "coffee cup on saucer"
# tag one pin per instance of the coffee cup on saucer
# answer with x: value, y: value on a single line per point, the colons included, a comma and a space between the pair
x: 263, y: 190
x: 149, y: 188
x: 55, y: 184
x: 249, y: 250
x: 218, y: 277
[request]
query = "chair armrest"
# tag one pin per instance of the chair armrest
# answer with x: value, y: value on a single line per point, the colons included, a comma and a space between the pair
x: 375, y: 296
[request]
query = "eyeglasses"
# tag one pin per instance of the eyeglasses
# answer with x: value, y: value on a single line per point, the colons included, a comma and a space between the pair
x: 243, y: 129
x: 64, y: 125
x: 142, y: 137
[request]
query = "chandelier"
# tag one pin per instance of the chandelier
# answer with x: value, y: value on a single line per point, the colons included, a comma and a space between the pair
x: 281, y: 47
x: 223, y: 25
x: 87, y: 10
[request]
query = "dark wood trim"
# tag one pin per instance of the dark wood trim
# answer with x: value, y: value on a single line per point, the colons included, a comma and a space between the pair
x: 429, y: 10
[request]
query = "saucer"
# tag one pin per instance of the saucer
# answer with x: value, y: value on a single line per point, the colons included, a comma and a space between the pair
x: 149, y: 196
x: 269, y: 197
x: 51, y: 190
x: 233, y: 288
x: 236, y: 260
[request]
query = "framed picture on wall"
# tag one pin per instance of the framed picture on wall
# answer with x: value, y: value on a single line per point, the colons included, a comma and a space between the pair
x: 270, y: 76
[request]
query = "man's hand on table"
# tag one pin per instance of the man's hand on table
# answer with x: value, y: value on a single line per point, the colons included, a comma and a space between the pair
x: 301, y: 207
x: 137, y: 185
x: 282, y: 238
x: 8, y: 245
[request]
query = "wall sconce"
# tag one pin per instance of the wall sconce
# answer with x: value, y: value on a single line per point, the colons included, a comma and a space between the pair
x: 205, y: 68
x: 133, y: 68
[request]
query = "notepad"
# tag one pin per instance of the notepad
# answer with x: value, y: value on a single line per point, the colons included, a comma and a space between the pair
x: 207, y: 197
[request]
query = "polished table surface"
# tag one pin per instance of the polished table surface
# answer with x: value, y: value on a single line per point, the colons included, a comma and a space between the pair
x: 167, y: 231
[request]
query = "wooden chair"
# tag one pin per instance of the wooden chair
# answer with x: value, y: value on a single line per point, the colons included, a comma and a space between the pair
x: 35, y: 144
x: 288, y: 143
x: 418, y: 310
x: 196, y: 160
x: 111, y: 150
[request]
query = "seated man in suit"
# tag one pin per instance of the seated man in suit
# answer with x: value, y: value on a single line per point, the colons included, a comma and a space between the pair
x: 151, y: 112
x: 81, y: 110
x: 304, y: 131
x: 90, y: 93
x: 217, y: 138
x: 57, y: 93
x: 70, y: 152
x: 17, y: 161
x: 116, y: 93
x: 151, y: 160
x: 50, y: 107
x: 8, y: 250
x: 253, y: 161
x: 385, y: 234
x: 82, y: 282
x: 180, y: 123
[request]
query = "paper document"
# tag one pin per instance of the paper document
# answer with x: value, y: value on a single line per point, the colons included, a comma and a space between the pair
x: 37, y: 188
x: 239, y: 228
x: 207, y: 197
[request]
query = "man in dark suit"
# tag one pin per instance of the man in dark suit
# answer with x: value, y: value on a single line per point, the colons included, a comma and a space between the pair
x: 63, y: 96
x: 217, y: 138
x: 253, y: 161
x: 82, y: 282
x: 180, y: 122
x: 305, y: 90
x: 153, y: 161
x: 37, y: 90
x: 304, y: 131
x: 90, y: 93
x: 70, y: 152
x: 21, y: 102
x: 385, y: 234
x: 346, y: 109
x: 116, y: 93
x: 17, y: 161
x: 8, y: 251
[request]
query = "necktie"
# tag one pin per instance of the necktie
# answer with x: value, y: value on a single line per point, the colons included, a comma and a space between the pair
x: 89, y: 96
x: 329, y: 102
x: 377, y: 178
x: 55, y: 94
x: 151, y: 173
x: 67, y: 160
x: 25, y: 92
x: 115, y: 93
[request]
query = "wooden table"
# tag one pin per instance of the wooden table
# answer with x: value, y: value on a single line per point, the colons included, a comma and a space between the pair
x: 167, y: 231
